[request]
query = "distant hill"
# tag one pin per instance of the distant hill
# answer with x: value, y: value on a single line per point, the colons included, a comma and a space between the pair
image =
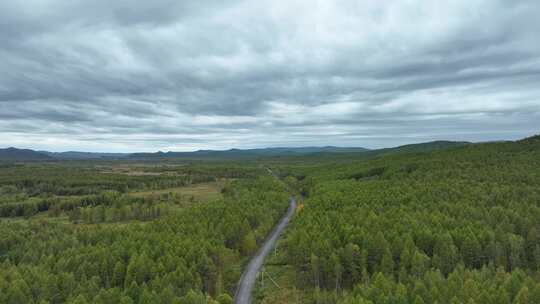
x: 22, y: 154
x: 240, y: 153
x: 327, y: 151
x: 74, y: 155
x: 422, y: 147
x: 411, y: 148
x: 532, y: 139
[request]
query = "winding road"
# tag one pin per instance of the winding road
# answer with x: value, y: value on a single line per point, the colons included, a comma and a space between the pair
x: 248, y: 278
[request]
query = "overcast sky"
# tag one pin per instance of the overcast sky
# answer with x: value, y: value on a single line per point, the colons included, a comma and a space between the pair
x: 121, y: 76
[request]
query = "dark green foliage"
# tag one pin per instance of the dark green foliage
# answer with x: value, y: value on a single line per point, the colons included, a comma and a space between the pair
x: 456, y: 226
x: 371, y: 173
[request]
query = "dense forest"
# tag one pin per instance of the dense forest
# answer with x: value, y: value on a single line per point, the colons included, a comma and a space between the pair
x: 454, y: 226
x: 87, y: 240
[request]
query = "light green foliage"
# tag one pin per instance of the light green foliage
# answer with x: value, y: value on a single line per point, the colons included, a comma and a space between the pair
x: 189, y: 256
x: 30, y: 189
x: 249, y: 244
x: 224, y: 299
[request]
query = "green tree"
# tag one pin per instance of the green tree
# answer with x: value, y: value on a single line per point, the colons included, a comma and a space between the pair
x: 224, y: 299
x: 445, y: 254
x: 387, y: 263
x: 315, y: 270
x: 337, y: 270
x: 118, y: 274
x: 419, y: 264
x: 523, y: 296
x: 19, y: 292
x: 249, y: 244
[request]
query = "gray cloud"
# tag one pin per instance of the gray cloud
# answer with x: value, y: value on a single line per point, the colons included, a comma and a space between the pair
x: 181, y: 75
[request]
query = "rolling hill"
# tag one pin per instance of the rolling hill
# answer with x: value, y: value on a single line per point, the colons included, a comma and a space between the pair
x: 14, y: 154
x: 332, y: 151
x: 249, y: 153
x: 76, y: 155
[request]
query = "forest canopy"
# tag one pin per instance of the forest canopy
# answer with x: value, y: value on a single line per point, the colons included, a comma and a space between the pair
x: 459, y: 225
x: 454, y: 226
x: 101, y: 245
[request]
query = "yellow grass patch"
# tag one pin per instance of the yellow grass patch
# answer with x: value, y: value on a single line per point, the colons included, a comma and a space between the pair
x: 203, y: 192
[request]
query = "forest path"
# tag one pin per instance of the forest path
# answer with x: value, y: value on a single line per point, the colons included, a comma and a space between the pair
x: 248, y: 278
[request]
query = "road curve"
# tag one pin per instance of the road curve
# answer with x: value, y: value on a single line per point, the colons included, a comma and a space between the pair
x: 248, y: 278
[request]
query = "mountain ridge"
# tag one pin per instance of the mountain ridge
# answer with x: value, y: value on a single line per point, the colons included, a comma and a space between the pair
x: 28, y: 154
x: 13, y: 153
x: 276, y: 151
x: 74, y: 155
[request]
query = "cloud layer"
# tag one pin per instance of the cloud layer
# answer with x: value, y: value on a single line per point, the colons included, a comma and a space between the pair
x: 182, y: 75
